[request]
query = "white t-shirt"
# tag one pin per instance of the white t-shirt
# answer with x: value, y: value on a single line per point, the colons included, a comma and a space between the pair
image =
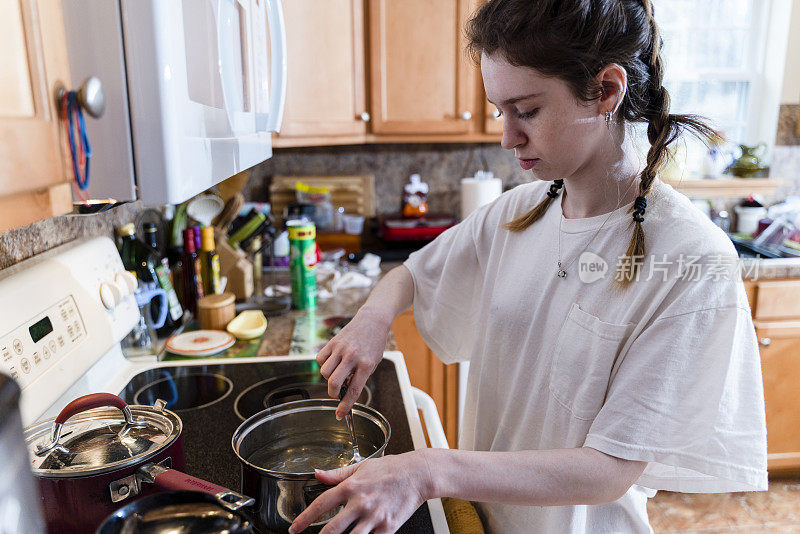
x: 667, y: 371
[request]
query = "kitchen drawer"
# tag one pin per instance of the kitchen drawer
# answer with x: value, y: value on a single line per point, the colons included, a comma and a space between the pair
x: 776, y: 299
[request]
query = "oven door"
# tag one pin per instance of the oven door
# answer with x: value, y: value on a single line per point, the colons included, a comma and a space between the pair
x: 206, y: 82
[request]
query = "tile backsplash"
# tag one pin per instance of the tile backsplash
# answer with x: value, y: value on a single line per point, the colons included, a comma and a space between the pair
x: 443, y: 165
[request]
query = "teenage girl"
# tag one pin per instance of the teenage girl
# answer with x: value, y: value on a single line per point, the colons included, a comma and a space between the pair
x: 611, y: 348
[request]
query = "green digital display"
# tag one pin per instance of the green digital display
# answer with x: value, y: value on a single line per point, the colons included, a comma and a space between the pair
x: 40, y: 329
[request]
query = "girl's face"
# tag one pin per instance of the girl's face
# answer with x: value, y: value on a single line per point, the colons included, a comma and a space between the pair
x: 551, y: 132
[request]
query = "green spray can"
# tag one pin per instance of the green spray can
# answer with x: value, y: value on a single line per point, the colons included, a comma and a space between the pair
x: 302, y: 264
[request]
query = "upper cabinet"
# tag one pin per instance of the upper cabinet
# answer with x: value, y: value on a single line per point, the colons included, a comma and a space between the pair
x: 421, y: 80
x: 326, y: 86
x: 34, y: 181
x: 381, y: 71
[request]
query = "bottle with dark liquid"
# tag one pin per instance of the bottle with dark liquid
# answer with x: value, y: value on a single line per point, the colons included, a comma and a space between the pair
x: 165, y: 280
x: 192, y: 272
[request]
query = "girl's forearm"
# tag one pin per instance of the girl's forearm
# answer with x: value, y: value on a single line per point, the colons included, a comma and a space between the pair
x: 533, y: 478
x: 393, y: 294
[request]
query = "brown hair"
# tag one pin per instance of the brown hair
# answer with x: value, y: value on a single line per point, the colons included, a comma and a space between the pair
x: 573, y: 40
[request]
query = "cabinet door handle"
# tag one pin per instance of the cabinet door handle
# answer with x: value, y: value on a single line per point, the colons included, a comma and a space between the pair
x: 364, y: 117
x: 765, y: 341
x: 466, y: 115
x: 90, y: 96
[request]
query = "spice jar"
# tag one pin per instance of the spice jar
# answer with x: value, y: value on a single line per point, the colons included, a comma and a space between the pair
x: 214, y: 312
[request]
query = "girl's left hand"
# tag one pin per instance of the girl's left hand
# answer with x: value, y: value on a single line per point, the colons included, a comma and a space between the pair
x: 379, y: 494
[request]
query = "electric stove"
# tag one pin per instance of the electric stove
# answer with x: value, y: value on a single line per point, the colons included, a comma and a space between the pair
x: 65, y: 313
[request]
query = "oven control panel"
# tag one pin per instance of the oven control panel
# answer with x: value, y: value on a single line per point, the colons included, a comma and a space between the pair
x: 28, y: 350
x: 60, y: 312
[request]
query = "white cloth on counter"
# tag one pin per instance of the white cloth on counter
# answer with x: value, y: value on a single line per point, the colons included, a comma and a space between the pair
x: 667, y: 371
x: 330, y: 280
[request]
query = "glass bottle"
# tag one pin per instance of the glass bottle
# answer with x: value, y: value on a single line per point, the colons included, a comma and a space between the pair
x: 165, y: 280
x: 192, y: 273
x: 209, y: 260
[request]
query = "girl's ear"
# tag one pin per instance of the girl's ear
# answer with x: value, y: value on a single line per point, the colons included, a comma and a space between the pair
x: 613, y: 81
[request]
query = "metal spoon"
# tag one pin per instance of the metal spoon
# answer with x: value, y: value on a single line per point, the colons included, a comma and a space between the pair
x: 348, y: 418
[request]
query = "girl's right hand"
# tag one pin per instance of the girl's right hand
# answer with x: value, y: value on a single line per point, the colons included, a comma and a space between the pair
x: 355, y: 350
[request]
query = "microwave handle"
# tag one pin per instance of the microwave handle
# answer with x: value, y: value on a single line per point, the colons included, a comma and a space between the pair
x: 277, y: 39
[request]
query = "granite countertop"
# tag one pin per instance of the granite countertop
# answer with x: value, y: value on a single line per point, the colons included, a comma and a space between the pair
x: 346, y: 302
x: 766, y: 269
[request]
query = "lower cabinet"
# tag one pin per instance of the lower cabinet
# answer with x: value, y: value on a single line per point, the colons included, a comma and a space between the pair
x: 428, y: 373
x: 776, y: 315
x: 779, y: 344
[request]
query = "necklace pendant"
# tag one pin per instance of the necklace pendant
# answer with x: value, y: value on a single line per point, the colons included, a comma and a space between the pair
x: 561, y: 272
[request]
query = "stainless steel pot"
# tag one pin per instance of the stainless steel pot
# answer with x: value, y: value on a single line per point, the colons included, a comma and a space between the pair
x: 280, y: 447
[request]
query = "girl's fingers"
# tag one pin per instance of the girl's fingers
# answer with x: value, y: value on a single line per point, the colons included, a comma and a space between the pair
x: 341, y: 521
x: 325, y: 502
x: 363, y: 527
x: 353, y: 391
x: 335, y: 476
x: 324, y: 353
x: 330, y: 364
x: 337, y: 378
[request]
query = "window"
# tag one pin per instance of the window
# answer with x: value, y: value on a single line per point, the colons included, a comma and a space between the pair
x: 724, y: 60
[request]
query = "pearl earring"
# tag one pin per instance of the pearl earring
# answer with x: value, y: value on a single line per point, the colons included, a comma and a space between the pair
x: 609, y: 119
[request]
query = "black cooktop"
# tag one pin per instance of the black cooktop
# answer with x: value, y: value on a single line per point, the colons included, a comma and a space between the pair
x: 213, y: 400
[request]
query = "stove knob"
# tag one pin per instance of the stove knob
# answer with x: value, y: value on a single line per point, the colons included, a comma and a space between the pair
x: 127, y: 282
x: 110, y: 295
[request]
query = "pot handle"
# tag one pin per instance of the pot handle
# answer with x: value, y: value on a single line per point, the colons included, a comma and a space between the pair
x: 170, y: 479
x: 82, y: 404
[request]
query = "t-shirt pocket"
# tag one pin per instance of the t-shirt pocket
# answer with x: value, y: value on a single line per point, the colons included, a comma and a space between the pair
x: 582, y: 361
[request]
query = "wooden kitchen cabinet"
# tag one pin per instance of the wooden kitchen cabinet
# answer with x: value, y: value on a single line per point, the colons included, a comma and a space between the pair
x: 34, y: 181
x: 775, y: 305
x: 378, y: 71
x: 492, y: 120
x: 428, y: 373
x: 421, y: 79
x: 779, y: 344
x: 326, y: 97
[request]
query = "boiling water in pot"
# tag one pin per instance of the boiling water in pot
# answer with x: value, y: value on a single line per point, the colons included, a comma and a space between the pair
x: 305, y: 452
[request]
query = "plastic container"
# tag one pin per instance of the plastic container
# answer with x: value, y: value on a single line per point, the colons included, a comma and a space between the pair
x: 415, y: 198
x: 353, y: 224
x: 747, y: 218
x: 320, y: 197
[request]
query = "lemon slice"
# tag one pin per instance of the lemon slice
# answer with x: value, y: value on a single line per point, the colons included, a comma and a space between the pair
x: 248, y: 325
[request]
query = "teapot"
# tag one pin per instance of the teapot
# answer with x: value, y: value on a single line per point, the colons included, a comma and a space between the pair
x: 749, y: 163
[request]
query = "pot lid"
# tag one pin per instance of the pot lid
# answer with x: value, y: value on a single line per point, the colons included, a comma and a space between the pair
x: 88, y: 437
x: 170, y: 512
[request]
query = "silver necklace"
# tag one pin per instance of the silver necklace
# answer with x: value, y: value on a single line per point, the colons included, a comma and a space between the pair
x: 562, y: 270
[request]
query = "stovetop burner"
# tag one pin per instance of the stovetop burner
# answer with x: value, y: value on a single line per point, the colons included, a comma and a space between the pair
x: 210, y: 418
x: 280, y: 389
x: 184, y: 392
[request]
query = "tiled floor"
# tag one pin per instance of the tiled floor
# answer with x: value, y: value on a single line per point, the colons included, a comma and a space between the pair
x: 776, y: 511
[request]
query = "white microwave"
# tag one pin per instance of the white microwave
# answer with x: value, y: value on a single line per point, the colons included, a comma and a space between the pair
x: 193, y: 90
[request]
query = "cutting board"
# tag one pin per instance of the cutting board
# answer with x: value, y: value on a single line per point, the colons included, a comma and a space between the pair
x: 355, y: 193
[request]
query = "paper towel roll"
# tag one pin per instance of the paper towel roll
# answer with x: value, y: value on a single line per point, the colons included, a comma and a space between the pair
x: 476, y: 193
